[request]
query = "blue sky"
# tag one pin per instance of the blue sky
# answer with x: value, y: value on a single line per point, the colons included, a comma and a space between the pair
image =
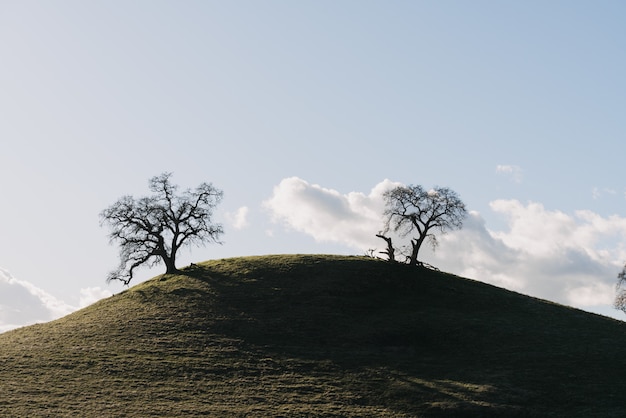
x: 303, y: 112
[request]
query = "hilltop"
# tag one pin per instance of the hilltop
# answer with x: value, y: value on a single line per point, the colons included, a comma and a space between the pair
x: 316, y: 335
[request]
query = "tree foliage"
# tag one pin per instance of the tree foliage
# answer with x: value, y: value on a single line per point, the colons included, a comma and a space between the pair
x: 152, y: 229
x: 420, y: 213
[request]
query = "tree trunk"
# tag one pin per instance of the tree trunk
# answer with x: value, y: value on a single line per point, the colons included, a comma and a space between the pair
x: 170, y: 265
x: 416, y: 244
x: 391, y: 257
x: 415, y: 249
x: 170, y: 260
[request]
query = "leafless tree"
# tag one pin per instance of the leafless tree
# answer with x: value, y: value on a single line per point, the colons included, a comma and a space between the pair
x: 620, y: 298
x: 414, y: 210
x: 152, y: 229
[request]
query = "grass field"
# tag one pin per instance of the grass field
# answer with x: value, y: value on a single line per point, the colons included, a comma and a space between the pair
x: 316, y: 335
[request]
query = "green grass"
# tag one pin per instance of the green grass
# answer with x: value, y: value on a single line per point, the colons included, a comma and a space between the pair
x: 296, y: 335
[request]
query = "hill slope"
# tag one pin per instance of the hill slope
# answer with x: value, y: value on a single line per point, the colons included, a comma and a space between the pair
x: 316, y: 336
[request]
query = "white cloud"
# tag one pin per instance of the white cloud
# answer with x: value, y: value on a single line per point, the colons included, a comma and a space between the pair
x: 327, y: 215
x: 567, y: 258
x: 597, y: 193
x: 594, y: 294
x: 571, y: 259
x: 89, y: 295
x: 239, y: 219
x: 22, y: 303
x: 514, y: 171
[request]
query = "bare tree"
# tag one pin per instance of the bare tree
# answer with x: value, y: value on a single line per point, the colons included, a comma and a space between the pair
x: 414, y: 210
x: 620, y: 298
x: 152, y: 229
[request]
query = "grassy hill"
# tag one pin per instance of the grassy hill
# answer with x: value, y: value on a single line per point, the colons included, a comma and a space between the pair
x: 296, y: 335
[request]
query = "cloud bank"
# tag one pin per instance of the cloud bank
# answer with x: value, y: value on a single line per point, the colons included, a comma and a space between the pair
x: 328, y: 215
x: 22, y: 303
x: 567, y: 258
x: 571, y: 259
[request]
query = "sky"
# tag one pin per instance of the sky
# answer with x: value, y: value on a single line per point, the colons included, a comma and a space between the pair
x: 304, y: 113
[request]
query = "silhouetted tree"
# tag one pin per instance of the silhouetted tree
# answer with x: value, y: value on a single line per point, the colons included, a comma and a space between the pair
x: 414, y: 210
x: 620, y: 298
x: 390, y: 252
x: 152, y: 229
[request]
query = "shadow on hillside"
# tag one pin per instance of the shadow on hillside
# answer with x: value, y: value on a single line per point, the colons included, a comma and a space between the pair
x: 392, y: 332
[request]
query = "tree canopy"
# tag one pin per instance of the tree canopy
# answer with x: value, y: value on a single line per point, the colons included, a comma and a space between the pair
x: 420, y: 213
x: 152, y: 229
